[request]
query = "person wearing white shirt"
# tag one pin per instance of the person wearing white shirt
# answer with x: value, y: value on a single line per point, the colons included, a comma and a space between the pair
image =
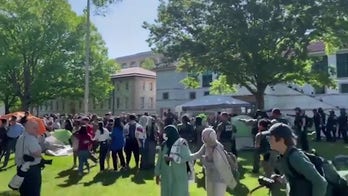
x: 102, y: 135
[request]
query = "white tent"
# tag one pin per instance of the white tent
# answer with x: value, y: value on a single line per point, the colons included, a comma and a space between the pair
x: 210, y: 102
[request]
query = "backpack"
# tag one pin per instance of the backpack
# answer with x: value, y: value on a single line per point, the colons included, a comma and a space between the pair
x: 337, y: 186
x: 233, y: 162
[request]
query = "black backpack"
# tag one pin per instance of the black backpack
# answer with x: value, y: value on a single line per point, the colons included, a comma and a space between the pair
x: 336, y: 186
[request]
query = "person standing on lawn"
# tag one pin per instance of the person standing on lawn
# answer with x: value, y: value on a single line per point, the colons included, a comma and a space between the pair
x: 172, y: 167
x: 307, y: 181
x: 117, y: 143
x: 28, y: 144
x: 135, y: 136
x: 216, y: 166
x: 83, y: 152
x: 102, y: 135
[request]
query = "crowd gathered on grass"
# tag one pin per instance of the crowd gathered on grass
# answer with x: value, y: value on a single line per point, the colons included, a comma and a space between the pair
x: 173, y: 146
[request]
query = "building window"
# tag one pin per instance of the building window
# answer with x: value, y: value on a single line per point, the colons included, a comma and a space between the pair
x: 63, y: 105
x: 151, y: 102
x: 109, y: 103
x: 57, y: 105
x: 117, y: 102
x: 80, y: 104
x: 207, y: 78
x: 51, y: 105
x: 142, y: 102
x: 126, y: 86
x: 321, y: 65
x: 126, y: 103
x: 165, y: 95
x: 344, y: 88
x: 101, y: 105
x: 151, y: 87
x: 192, y: 95
x: 342, y: 65
x: 124, y: 65
x: 133, y: 64
x: 206, y: 93
x: 320, y: 90
x: 144, y: 85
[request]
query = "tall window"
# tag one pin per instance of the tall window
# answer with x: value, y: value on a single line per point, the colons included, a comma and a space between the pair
x: 344, y: 88
x: 165, y: 95
x: 144, y: 85
x: 80, y: 104
x: 142, y: 102
x: 192, y: 95
x: 207, y: 78
x: 57, y: 105
x: 206, y: 93
x: 321, y: 66
x: 126, y: 85
x: 63, y: 105
x: 117, y: 102
x: 342, y: 65
x: 151, y: 102
x: 126, y: 103
x: 151, y: 87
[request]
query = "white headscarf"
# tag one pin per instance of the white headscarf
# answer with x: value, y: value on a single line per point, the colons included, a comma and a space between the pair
x: 209, y: 138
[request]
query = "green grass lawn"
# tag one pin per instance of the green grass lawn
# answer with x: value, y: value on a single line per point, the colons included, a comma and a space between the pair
x: 60, y: 180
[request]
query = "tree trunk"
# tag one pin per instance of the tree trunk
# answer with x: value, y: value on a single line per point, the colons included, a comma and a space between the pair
x: 7, y: 106
x: 260, y: 100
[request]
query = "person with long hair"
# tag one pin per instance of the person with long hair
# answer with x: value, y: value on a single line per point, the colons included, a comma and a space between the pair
x: 102, y: 136
x: 117, y: 143
x: 85, y: 142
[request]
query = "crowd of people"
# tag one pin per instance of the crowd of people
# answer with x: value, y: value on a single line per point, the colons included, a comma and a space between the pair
x: 180, y: 142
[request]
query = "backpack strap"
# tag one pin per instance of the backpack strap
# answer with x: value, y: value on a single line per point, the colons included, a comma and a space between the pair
x: 291, y: 168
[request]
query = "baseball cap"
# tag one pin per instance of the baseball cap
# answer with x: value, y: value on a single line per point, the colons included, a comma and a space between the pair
x: 276, y: 111
x: 280, y: 130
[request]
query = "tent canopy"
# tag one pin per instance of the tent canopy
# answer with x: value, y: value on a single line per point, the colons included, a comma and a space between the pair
x: 211, y: 102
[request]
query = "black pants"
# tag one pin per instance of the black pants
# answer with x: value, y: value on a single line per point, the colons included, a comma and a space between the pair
x: 318, y: 133
x: 114, y: 154
x: 132, y: 146
x: 10, y: 146
x: 344, y: 135
x: 102, y: 154
x: 32, y: 182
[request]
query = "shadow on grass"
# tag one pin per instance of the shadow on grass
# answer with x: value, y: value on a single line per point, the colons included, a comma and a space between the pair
x: 142, y: 175
x: 105, y: 178
x: 9, y: 193
x: 7, y: 167
x: 73, y: 177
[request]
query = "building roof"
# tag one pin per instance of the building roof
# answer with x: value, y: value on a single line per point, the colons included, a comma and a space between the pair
x: 134, y: 71
x: 134, y: 56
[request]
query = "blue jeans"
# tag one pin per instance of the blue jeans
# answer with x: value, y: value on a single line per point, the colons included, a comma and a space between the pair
x: 83, y: 156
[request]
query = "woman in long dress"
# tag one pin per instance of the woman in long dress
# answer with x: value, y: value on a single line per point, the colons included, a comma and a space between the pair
x: 172, y: 166
x: 218, y: 174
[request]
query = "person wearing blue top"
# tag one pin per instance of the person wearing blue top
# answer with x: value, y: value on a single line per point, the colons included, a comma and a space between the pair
x: 117, y: 143
x: 14, y: 131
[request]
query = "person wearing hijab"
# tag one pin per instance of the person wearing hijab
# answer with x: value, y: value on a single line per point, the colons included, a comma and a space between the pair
x: 172, y: 168
x: 215, y: 164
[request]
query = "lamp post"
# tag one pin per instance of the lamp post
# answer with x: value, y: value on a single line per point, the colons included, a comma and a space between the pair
x: 86, y: 96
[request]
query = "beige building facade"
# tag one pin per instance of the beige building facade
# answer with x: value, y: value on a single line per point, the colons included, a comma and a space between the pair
x: 134, y: 92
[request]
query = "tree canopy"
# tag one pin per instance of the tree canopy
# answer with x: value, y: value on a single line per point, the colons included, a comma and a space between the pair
x: 42, y: 52
x: 254, y: 43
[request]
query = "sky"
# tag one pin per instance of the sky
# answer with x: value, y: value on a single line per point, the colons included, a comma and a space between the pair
x: 121, y: 27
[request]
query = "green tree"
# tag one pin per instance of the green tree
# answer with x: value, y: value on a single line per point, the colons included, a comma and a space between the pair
x: 254, y: 43
x: 148, y: 63
x: 220, y: 86
x: 43, y: 49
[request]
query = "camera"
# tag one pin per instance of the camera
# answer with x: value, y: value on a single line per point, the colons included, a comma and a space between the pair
x: 267, y: 182
x: 18, y: 179
x: 45, y: 162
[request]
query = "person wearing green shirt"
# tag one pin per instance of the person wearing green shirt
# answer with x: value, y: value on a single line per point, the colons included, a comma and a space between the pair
x: 307, y: 181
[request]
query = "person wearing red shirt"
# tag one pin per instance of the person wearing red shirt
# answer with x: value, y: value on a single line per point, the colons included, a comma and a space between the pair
x: 83, y: 153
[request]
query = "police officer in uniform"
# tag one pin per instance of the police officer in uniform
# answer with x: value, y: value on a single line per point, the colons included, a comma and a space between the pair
x: 225, y: 133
